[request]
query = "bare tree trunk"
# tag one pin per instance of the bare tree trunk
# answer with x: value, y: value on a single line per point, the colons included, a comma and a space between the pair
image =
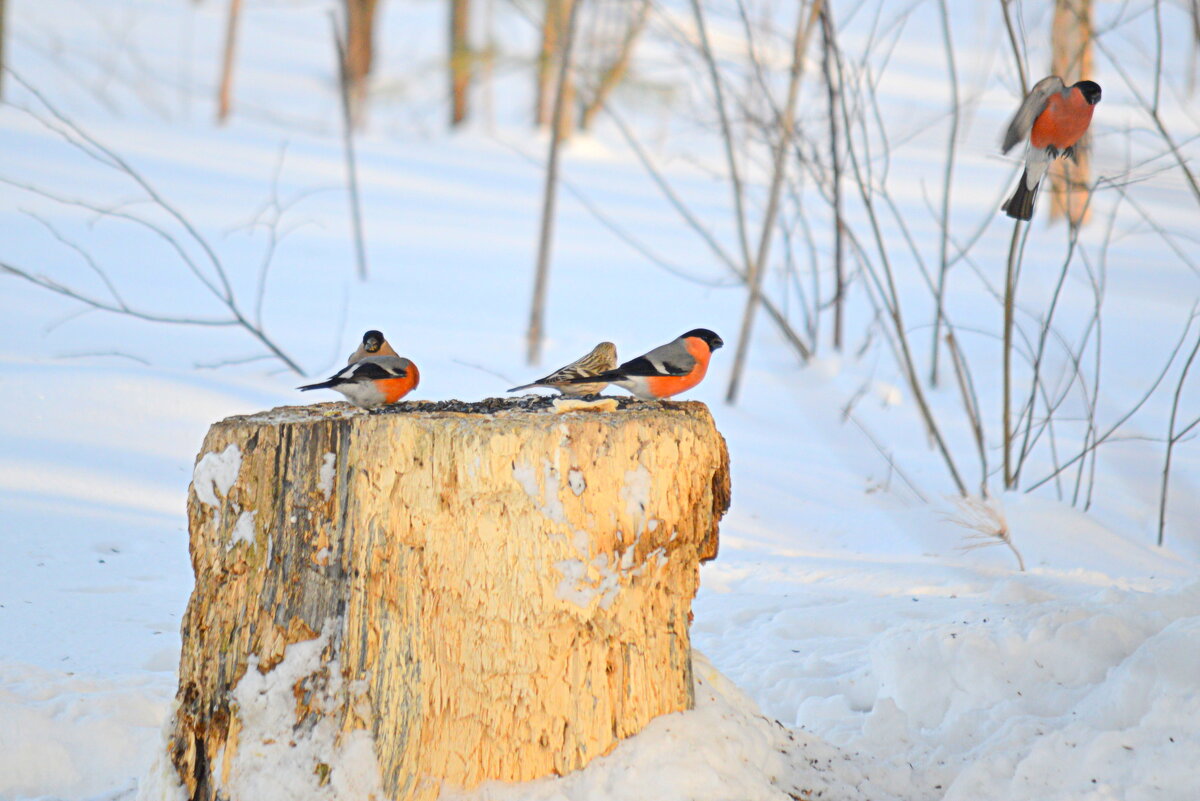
x: 3, y: 35
x: 481, y: 602
x: 551, y: 25
x: 460, y: 59
x: 542, y: 269
x: 225, y: 94
x: 550, y: 74
x: 1071, y: 41
x: 615, y: 73
x: 488, y: 65
x: 360, y: 247
x: 360, y: 53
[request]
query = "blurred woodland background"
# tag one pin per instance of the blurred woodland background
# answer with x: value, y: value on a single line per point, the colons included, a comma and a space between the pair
x: 836, y: 247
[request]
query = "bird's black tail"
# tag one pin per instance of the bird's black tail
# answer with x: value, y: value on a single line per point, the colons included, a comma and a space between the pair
x: 320, y: 385
x: 1020, y: 205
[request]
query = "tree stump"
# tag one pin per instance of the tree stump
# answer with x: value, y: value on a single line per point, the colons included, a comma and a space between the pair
x: 489, y: 591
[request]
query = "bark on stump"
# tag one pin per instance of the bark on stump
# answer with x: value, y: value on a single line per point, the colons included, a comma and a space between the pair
x: 504, y: 591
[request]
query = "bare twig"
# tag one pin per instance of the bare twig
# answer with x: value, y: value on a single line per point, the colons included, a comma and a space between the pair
x: 891, y: 300
x: 798, y: 345
x: 534, y: 336
x: 971, y: 405
x: 221, y: 288
x: 1172, y: 438
x: 778, y: 169
x: 1100, y: 439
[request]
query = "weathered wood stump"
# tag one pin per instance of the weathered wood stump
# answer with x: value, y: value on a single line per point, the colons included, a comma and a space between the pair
x: 497, y: 591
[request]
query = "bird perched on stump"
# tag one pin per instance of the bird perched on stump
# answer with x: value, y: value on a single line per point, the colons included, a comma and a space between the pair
x: 667, y: 370
x: 1054, y: 117
x: 373, y: 381
x: 600, y: 358
x: 373, y: 344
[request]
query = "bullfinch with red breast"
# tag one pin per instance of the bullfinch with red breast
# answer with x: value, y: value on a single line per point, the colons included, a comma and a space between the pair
x: 373, y: 381
x: 373, y: 344
x: 600, y: 358
x: 1055, y: 117
x: 667, y: 370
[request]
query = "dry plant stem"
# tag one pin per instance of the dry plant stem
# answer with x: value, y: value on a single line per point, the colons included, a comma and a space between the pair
x: 1172, y: 438
x: 727, y: 136
x: 1010, y: 288
x: 1043, y: 336
x: 537, y: 309
x: 891, y: 298
x: 1153, y: 112
x: 1099, y: 439
x: 785, y: 328
x: 951, y: 147
x: 786, y: 125
x: 360, y: 250
x: 225, y: 94
x: 971, y: 405
x: 839, y: 267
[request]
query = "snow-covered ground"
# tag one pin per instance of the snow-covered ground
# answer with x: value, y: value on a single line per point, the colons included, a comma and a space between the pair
x: 901, y: 663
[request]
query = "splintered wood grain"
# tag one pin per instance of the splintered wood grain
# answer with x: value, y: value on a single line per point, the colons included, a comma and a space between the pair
x: 511, y: 590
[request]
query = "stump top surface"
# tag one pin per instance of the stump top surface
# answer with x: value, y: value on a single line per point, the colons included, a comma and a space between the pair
x: 530, y: 407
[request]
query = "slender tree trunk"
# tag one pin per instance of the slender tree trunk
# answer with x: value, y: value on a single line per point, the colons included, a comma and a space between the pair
x: 547, y: 58
x: 225, y: 95
x: 615, y: 73
x: 488, y: 65
x: 360, y: 53
x: 356, y: 223
x: 3, y: 36
x: 460, y: 59
x: 1071, y: 41
x: 550, y: 194
x: 481, y: 599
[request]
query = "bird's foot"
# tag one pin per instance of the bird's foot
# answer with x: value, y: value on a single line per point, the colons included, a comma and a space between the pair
x: 1069, y: 153
x: 1052, y: 152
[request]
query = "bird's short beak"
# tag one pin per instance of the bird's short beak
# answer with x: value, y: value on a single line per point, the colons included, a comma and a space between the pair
x: 718, y: 342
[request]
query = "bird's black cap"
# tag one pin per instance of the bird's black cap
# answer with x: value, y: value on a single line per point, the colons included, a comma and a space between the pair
x: 710, y: 338
x: 1090, y: 91
x: 372, y: 340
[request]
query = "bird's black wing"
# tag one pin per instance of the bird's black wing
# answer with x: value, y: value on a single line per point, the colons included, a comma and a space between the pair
x: 641, y: 366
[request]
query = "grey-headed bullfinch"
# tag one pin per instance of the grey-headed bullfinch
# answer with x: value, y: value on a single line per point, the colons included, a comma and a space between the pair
x: 667, y: 370
x: 373, y: 381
